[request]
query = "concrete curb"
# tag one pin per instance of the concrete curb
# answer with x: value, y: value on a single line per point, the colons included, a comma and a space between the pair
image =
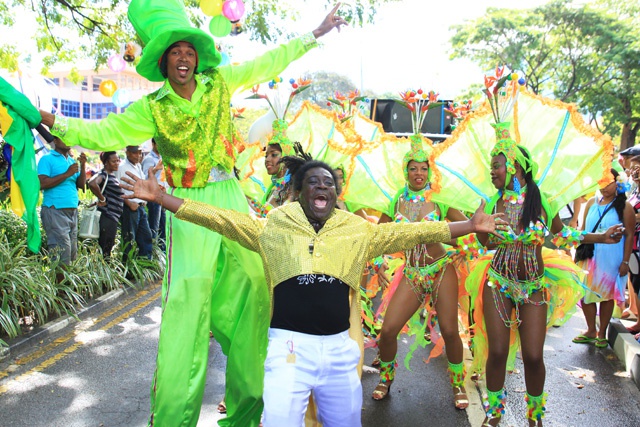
x: 626, y: 348
x: 31, y: 338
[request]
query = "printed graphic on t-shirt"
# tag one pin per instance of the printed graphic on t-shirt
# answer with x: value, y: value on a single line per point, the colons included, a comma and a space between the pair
x: 307, y: 279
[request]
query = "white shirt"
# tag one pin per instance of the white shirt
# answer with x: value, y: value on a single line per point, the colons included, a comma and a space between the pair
x: 136, y: 169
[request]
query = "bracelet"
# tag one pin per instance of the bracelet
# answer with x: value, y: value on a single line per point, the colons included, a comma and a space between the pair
x: 625, y: 262
x: 103, y: 200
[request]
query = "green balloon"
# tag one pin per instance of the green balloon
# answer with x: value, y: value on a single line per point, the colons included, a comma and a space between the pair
x: 220, y: 26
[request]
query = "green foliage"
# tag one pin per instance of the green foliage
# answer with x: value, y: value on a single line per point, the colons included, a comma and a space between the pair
x: 12, y: 228
x: 28, y: 289
x: 585, y: 53
x: 35, y: 288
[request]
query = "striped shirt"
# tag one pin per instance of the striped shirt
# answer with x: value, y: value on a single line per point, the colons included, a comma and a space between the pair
x: 113, y: 194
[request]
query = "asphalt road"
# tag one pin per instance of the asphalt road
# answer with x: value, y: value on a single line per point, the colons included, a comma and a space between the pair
x: 98, y: 373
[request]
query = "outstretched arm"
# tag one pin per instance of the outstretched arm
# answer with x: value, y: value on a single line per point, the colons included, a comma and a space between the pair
x: 275, y: 61
x: 134, y: 126
x: 240, y: 227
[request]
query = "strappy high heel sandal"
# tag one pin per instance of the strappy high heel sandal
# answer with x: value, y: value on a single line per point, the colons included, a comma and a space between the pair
x: 376, y: 361
x: 491, y: 421
x: 460, y: 398
x: 382, y: 390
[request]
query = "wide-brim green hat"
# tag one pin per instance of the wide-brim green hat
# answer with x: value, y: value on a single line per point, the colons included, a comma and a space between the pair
x: 161, y: 23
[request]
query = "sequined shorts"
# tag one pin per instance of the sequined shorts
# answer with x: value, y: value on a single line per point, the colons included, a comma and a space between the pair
x: 518, y: 291
x: 423, y: 280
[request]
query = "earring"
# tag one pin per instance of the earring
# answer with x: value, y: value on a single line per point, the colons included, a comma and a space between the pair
x: 516, y: 184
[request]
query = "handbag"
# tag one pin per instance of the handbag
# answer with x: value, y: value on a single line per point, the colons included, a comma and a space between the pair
x: 89, y: 225
x: 586, y: 250
x: 634, y: 263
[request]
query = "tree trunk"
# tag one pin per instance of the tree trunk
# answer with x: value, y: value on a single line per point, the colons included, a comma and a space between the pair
x: 629, y: 133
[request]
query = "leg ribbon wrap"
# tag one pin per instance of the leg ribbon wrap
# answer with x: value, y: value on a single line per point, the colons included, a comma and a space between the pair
x: 495, y: 403
x: 388, y: 370
x: 457, y: 372
x: 536, y: 405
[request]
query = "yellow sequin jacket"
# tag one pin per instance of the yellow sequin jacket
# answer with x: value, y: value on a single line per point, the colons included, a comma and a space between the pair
x: 289, y: 246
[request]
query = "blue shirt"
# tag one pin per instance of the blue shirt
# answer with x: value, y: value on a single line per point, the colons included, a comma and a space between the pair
x: 65, y: 194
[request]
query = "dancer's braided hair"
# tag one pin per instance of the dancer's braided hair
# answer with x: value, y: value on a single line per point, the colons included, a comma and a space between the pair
x: 299, y: 165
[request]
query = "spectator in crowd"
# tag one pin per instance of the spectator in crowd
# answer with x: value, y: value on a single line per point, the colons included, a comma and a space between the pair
x: 134, y: 222
x: 106, y: 188
x: 60, y: 177
x: 153, y: 162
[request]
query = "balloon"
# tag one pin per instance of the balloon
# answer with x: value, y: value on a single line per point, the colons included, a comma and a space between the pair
x: 211, y: 7
x: 220, y: 26
x: 116, y: 63
x: 233, y: 9
x: 225, y: 58
x: 121, y: 98
x: 108, y: 87
x: 261, y: 129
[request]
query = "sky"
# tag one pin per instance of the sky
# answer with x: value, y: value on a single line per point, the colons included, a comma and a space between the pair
x: 406, y: 47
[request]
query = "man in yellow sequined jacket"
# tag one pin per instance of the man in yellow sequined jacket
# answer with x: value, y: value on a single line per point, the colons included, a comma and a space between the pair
x: 212, y: 283
x: 313, y: 255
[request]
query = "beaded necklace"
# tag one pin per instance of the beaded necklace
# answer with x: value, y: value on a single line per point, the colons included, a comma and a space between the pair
x: 412, y: 202
x: 281, y: 188
x: 513, y: 197
x: 419, y: 196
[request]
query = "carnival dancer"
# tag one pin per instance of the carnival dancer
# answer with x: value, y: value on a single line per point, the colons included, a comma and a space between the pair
x: 313, y: 255
x: 427, y: 277
x: 519, y: 288
x: 220, y: 287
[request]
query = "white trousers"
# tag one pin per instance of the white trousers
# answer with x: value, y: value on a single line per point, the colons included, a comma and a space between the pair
x: 299, y: 364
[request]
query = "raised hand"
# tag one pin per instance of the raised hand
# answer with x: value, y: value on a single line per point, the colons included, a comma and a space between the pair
x: 330, y: 22
x: 145, y: 189
x: 485, y: 223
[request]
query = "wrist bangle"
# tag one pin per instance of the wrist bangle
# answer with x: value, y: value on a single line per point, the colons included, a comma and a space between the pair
x: 625, y: 262
x: 102, y: 200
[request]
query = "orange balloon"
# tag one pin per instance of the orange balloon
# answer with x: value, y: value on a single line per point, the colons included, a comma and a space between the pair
x: 108, y: 87
x: 211, y: 7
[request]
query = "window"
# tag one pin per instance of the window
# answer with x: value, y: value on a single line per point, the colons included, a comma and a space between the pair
x: 70, y: 108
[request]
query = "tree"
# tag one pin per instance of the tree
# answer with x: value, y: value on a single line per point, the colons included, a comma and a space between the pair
x: 324, y: 85
x: 582, y: 53
x: 74, y: 29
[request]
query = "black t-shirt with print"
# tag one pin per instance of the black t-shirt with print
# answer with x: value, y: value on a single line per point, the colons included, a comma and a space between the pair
x: 314, y: 304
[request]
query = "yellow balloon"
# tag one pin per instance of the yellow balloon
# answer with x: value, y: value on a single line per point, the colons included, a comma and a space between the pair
x: 514, y: 77
x: 211, y: 7
x: 108, y: 87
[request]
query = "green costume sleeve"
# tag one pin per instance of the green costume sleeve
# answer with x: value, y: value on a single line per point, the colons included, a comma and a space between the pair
x: 266, y: 66
x: 390, y: 238
x: 242, y: 228
x: 116, y: 131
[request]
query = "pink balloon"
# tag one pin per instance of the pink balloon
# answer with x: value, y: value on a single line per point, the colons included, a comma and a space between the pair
x: 116, y: 63
x: 233, y: 10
